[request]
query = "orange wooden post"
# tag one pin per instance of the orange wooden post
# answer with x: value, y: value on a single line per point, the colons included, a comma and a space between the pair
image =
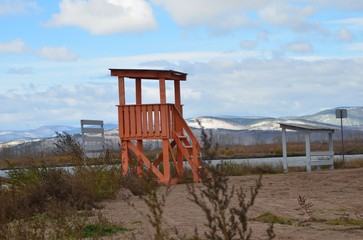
x: 177, y: 96
x: 124, y: 143
x: 139, y: 142
x: 165, y: 144
x: 162, y: 88
x: 121, y: 90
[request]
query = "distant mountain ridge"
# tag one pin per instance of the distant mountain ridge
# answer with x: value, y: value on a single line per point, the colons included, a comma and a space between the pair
x: 43, y: 132
x: 354, y: 121
x: 225, y: 123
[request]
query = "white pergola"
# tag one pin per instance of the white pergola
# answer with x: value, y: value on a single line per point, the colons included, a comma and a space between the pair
x: 307, y: 129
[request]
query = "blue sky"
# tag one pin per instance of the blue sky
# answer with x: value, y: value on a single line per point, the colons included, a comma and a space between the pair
x: 243, y: 58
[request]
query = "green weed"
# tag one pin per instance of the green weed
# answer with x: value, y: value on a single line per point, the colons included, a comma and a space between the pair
x: 345, y: 222
x: 268, y: 217
x: 101, y: 230
x: 241, y: 169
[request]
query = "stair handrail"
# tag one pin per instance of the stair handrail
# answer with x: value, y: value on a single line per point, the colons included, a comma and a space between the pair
x: 186, y: 128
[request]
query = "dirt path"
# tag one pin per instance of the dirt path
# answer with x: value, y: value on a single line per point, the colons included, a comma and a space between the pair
x: 334, y: 194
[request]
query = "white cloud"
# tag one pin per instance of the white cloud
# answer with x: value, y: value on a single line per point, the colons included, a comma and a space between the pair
x: 262, y: 36
x: 217, y: 14
x: 105, y: 16
x: 298, y: 47
x: 248, y: 44
x: 271, y: 87
x: 345, y: 35
x: 59, y: 54
x: 226, y: 15
x: 353, y: 23
x: 252, y: 43
x: 16, y: 46
x: 57, y: 104
x: 347, y: 5
x: 191, y: 94
x: 294, y: 17
x: 20, y: 71
x: 356, y: 46
x: 10, y: 7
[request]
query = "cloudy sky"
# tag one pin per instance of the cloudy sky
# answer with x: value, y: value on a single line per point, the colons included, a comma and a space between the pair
x: 243, y: 58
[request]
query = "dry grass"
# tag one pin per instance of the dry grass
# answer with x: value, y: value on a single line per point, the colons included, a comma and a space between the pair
x: 47, y: 202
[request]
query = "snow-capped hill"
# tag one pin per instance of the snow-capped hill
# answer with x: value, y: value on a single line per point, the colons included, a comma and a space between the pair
x: 18, y: 142
x: 111, y: 132
x: 270, y: 125
x: 49, y: 131
x: 45, y: 132
x: 214, y: 123
x: 41, y: 132
x: 265, y: 124
x: 236, y: 123
x: 354, y: 119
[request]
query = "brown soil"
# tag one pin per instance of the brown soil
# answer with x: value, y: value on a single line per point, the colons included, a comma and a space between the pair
x: 334, y: 194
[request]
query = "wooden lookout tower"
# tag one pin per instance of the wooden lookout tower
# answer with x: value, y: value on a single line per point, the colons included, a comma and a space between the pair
x: 161, y: 121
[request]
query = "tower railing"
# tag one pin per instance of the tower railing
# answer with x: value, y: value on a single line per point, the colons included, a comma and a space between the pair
x: 146, y: 121
x: 151, y: 121
x: 160, y: 121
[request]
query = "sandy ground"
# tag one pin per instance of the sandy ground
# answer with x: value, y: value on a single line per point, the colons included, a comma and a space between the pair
x: 333, y: 193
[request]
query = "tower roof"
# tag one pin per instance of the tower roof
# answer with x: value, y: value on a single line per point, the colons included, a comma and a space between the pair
x: 149, y: 74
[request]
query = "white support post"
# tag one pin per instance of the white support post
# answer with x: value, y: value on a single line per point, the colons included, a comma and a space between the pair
x: 308, y: 152
x: 331, y: 150
x: 284, y: 150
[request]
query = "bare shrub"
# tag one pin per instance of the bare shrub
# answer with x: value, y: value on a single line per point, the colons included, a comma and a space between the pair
x: 223, y: 220
x: 68, y: 145
x: 305, y: 208
x: 139, y: 185
x: 56, y: 193
x: 155, y: 204
x: 209, y: 146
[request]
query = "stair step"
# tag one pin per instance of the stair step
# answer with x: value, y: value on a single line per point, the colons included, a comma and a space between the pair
x: 182, y: 137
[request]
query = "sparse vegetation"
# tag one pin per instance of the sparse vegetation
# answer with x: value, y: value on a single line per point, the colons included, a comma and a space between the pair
x: 306, y: 208
x: 356, y: 163
x: 209, y: 146
x: 223, y: 220
x: 240, y: 169
x: 101, y: 228
x: 45, y: 202
x: 155, y: 204
x: 346, y: 221
x: 268, y: 217
x: 139, y: 185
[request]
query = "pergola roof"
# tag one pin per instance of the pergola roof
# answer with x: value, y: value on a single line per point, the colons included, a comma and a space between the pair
x: 314, y: 127
x: 149, y: 74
